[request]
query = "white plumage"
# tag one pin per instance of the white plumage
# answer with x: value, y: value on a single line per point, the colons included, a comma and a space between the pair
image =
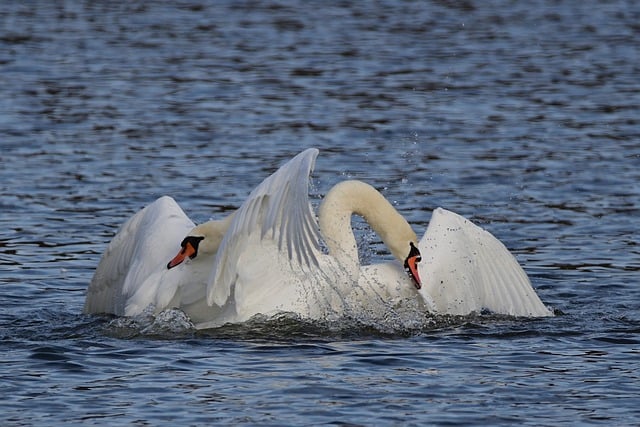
x: 266, y: 259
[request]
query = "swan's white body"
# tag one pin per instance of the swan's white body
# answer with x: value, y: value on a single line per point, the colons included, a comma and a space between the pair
x: 270, y: 260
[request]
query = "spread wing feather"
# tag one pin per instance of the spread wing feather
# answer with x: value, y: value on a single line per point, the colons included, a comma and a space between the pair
x: 278, y: 209
x: 466, y: 269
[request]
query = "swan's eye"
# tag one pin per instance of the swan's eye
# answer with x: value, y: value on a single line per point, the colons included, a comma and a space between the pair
x: 194, y: 241
x: 414, y: 252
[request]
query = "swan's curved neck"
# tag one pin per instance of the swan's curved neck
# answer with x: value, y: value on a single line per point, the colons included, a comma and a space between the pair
x: 213, y: 232
x: 356, y: 197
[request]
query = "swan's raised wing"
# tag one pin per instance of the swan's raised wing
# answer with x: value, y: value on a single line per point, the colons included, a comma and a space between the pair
x: 142, y: 246
x: 465, y: 269
x: 278, y: 210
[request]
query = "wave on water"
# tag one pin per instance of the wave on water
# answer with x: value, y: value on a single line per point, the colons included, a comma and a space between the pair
x: 400, y: 320
x: 400, y: 323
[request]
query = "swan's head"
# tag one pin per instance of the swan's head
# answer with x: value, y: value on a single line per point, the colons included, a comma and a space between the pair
x: 411, y: 265
x: 202, y: 242
x: 401, y: 243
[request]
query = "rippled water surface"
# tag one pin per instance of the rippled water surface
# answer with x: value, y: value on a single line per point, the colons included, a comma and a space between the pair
x: 523, y: 116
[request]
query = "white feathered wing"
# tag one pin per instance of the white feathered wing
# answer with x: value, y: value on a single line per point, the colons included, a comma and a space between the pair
x: 141, y: 247
x: 268, y: 259
x: 465, y: 269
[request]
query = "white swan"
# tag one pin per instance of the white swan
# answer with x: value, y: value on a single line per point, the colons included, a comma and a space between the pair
x: 133, y: 274
x: 269, y: 259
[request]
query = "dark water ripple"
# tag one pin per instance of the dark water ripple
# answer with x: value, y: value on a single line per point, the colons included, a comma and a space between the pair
x: 520, y: 116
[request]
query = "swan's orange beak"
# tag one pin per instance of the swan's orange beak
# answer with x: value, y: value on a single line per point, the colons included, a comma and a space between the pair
x: 411, y: 265
x: 189, y: 250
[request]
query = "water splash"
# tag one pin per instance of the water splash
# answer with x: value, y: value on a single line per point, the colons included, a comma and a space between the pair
x: 171, y: 323
x: 402, y: 320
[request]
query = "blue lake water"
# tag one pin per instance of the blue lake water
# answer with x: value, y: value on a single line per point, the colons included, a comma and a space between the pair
x: 522, y: 116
